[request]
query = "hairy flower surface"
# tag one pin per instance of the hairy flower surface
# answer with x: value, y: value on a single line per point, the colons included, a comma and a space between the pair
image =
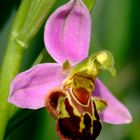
x: 70, y: 89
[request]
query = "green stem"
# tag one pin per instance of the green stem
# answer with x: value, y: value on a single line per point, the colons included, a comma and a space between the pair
x: 30, y: 17
x: 8, y: 71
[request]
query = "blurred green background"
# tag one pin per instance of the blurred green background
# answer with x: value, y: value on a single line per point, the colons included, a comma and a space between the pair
x: 116, y: 26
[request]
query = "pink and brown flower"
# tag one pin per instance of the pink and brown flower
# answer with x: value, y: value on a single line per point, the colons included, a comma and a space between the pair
x: 70, y: 89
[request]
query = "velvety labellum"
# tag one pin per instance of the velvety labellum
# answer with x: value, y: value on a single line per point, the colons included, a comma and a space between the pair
x: 75, y: 120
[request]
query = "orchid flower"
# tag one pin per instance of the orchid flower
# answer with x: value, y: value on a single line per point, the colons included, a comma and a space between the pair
x: 70, y: 89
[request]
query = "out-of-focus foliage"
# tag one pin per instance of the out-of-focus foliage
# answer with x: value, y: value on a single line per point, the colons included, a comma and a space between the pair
x: 116, y: 26
x: 90, y: 4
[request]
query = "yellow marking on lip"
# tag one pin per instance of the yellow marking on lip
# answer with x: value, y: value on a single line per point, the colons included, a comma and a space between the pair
x: 82, y: 125
x: 75, y: 111
x: 91, y: 130
x: 61, y: 108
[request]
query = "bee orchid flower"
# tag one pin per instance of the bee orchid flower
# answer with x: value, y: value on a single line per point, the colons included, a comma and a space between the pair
x: 69, y: 88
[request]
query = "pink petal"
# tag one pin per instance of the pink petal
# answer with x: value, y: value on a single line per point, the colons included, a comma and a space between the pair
x: 29, y: 88
x: 116, y: 112
x: 67, y: 32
